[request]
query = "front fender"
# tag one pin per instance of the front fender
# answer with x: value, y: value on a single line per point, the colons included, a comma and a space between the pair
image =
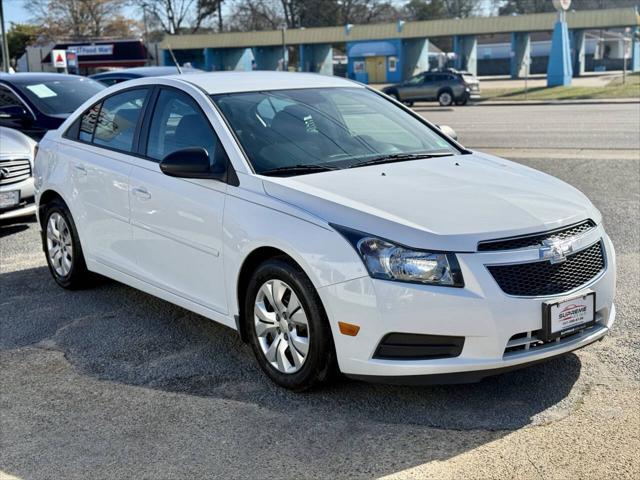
x: 322, y: 253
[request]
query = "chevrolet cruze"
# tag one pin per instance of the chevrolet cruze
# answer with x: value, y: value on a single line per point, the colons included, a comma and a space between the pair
x: 329, y: 225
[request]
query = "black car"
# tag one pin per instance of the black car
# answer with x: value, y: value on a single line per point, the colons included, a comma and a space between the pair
x: 447, y: 87
x: 117, y: 76
x: 37, y: 102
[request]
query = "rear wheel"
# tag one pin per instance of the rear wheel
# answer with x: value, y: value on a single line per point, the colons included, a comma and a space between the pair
x: 462, y: 101
x: 287, y: 327
x: 445, y: 98
x: 62, y: 247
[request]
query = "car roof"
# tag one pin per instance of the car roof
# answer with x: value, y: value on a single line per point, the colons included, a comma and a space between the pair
x: 36, y: 77
x: 254, y: 81
x: 144, y: 72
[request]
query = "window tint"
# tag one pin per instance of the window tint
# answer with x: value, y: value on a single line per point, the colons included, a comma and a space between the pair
x: 63, y: 95
x: 88, y: 123
x: 179, y: 123
x: 417, y: 80
x: 118, y: 118
x: 8, y: 99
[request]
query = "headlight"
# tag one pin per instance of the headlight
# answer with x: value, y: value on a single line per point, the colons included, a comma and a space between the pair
x: 389, y: 261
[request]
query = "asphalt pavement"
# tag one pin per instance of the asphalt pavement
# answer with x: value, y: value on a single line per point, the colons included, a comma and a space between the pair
x: 113, y: 383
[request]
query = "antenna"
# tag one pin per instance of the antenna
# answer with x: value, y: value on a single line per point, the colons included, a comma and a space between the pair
x: 173, y: 57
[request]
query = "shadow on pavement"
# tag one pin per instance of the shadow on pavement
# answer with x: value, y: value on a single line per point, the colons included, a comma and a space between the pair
x: 116, y: 333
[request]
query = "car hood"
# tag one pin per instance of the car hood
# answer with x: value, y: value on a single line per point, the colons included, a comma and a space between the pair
x: 447, y: 203
x: 15, y: 143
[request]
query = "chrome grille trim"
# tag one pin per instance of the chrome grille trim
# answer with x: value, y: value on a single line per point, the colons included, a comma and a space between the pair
x: 15, y: 170
x: 535, y: 240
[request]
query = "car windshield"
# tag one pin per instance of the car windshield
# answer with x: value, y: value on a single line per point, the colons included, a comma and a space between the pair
x: 59, y: 96
x: 325, y: 127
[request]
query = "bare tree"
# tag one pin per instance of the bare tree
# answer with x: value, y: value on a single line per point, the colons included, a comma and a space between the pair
x: 81, y: 18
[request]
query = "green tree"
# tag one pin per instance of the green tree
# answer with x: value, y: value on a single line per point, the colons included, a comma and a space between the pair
x: 437, y: 9
x: 19, y: 37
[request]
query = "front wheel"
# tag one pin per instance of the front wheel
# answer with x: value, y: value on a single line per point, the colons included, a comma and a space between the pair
x: 287, y: 326
x: 445, y: 98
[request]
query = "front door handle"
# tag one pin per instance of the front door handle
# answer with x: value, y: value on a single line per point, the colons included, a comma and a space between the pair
x: 141, y: 192
x: 81, y: 168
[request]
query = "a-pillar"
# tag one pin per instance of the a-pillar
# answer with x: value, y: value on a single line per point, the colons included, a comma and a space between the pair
x: 559, y: 69
x: 466, y: 49
x: 520, y: 54
x: 578, y: 46
x: 316, y: 58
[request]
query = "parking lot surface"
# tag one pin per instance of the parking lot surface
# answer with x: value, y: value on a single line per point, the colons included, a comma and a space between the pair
x: 112, y: 383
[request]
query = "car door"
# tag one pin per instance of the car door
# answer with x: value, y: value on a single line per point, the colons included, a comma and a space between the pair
x: 177, y: 222
x: 14, y: 113
x: 429, y: 89
x: 410, y: 90
x: 100, y: 162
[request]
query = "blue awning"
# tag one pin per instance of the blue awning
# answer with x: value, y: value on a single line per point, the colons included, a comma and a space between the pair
x: 372, y: 49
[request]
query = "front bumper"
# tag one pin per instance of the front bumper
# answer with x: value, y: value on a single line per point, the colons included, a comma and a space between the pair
x: 481, y: 313
x: 27, y: 205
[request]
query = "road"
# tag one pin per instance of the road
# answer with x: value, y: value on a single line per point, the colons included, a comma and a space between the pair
x: 600, y: 127
x: 113, y: 383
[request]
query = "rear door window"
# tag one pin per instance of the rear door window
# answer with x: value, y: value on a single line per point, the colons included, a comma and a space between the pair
x: 88, y: 123
x: 118, y: 119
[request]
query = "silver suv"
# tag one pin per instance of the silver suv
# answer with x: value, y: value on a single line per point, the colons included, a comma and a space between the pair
x: 447, y: 87
x: 16, y: 179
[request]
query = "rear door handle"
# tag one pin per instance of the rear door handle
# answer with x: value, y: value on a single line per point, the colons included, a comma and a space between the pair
x: 81, y: 168
x: 141, y: 192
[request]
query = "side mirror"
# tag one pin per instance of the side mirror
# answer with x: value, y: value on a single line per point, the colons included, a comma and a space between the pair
x: 448, y: 131
x: 13, y: 112
x: 192, y: 162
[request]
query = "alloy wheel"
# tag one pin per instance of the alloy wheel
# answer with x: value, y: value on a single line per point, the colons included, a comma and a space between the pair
x: 59, y: 244
x: 281, y: 326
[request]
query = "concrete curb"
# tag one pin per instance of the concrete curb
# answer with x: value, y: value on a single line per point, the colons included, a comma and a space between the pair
x: 560, y: 153
x: 586, y: 101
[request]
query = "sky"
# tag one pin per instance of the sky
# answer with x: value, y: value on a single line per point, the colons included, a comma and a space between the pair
x: 15, y: 11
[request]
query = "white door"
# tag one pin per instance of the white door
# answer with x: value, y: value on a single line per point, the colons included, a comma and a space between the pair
x: 99, y: 168
x: 176, y: 222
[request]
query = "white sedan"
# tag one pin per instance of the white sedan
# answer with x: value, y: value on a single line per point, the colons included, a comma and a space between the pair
x: 329, y: 225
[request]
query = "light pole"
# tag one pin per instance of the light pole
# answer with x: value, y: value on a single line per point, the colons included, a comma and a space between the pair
x: 5, y: 47
x: 284, y: 49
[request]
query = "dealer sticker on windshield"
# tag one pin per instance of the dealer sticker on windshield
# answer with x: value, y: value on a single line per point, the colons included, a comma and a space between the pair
x: 569, y: 316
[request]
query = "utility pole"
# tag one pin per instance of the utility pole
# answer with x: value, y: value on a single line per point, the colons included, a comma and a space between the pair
x: 284, y: 50
x: 5, y: 47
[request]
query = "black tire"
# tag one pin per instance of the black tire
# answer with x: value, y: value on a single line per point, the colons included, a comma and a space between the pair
x: 395, y: 95
x: 462, y: 101
x: 409, y: 103
x: 320, y: 362
x: 78, y: 276
x: 445, y: 98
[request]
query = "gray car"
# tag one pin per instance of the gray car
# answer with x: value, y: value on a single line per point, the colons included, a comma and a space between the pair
x: 16, y: 174
x: 446, y: 87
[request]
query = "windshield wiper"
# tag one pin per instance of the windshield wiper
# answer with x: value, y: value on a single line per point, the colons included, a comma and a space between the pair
x: 399, y: 157
x: 298, y: 169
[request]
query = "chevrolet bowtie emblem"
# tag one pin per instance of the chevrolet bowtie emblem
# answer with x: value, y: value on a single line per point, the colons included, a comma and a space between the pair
x: 555, y: 251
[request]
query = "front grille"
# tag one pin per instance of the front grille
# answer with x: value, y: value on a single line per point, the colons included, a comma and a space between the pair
x: 536, y: 239
x: 410, y: 346
x: 546, y: 278
x: 532, y: 341
x: 14, y: 170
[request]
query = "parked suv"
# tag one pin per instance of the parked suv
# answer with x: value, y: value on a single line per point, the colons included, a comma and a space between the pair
x: 447, y: 87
